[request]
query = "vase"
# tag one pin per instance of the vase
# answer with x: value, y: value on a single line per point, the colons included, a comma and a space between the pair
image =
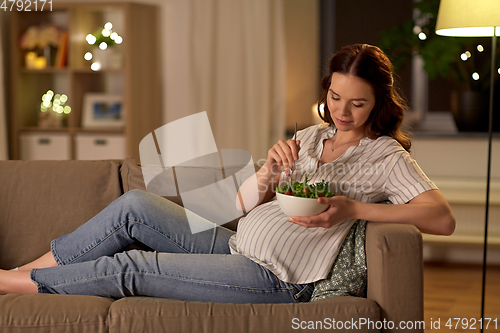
x: 470, y: 111
x: 111, y: 58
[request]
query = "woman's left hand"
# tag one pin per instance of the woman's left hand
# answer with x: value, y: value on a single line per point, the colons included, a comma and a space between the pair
x: 340, y: 208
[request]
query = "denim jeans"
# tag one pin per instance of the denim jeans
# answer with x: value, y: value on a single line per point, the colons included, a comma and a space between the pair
x: 193, y: 267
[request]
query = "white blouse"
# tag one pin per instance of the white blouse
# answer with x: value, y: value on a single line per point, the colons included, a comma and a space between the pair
x: 373, y: 171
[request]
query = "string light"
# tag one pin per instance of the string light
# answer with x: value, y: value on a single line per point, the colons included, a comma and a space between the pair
x: 106, y: 32
x: 91, y: 39
x: 56, y: 102
x: 96, y: 66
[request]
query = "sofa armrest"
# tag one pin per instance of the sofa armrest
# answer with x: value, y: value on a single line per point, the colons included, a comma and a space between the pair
x: 395, y: 272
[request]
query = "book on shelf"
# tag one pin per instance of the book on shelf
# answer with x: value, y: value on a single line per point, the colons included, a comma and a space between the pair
x: 62, y: 50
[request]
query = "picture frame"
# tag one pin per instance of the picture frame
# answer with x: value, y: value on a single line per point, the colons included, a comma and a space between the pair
x: 103, y: 110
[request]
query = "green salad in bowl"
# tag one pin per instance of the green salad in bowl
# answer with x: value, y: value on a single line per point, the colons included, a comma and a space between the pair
x: 305, y: 190
x: 301, y: 199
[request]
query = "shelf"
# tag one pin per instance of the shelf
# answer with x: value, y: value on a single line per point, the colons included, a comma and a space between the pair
x: 136, y: 75
x: 440, y: 124
x: 42, y: 129
x: 103, y: 70
x: 74, y: 130
x: 48, y: 70
x: 100, y: 130
x: 67, y: 70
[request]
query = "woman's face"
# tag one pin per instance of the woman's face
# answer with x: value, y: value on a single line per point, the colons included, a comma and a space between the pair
x: 350, y: 101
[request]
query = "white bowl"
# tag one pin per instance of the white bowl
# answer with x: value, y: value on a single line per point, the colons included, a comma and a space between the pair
x: 297, y: 206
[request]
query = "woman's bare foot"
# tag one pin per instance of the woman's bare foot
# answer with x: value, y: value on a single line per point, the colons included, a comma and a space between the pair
x: 16, y: 282
x: 47, y: 260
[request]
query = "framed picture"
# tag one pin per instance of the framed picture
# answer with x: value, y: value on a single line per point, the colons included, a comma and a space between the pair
x: 102, y: 110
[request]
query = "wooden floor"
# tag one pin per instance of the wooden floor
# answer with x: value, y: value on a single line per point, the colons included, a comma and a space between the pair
x: 454, y: 291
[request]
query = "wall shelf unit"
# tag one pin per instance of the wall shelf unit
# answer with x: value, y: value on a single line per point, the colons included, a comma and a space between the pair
x: 133, y: 72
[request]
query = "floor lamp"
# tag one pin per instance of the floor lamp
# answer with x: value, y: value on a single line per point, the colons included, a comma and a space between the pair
x: 478, y: 18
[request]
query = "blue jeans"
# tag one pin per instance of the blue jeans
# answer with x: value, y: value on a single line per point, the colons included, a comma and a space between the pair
x: 192, y: 267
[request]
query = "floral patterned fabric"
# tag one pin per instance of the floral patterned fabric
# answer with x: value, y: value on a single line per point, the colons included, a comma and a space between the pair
x: 348, y: 276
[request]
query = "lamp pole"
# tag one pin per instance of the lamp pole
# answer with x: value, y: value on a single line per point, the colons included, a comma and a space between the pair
x: 488, y: 174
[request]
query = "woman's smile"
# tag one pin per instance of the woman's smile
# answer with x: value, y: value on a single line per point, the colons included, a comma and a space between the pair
x: 343, y: 122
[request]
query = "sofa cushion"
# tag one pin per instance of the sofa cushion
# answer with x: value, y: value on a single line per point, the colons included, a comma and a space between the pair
x: 53, y: 313
x: 132, y: 179
x: 141, y: 314
x: 42, y: 200
x: 193, y: 178
x: 131, y: 174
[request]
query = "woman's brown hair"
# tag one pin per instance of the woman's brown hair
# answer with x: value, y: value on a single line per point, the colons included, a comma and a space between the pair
x: 370, y: 63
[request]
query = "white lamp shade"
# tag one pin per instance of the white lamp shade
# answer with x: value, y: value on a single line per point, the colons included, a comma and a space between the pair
x: 474, y: 18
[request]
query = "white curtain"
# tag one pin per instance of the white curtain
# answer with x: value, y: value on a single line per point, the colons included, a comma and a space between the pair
x: 3, y: 125
x: 227, y: 57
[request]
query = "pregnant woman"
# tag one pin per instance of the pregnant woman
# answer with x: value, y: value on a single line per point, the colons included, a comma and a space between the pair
x: 272, y: 258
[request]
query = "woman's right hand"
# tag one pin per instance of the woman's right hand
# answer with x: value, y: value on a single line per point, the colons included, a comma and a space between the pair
x: 282, y: 155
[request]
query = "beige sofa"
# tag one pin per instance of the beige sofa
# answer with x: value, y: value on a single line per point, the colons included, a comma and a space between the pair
x: 41, y: 200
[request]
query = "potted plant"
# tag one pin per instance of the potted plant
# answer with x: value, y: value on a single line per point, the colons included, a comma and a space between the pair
x: 104, y: 53
x: 463, y: 61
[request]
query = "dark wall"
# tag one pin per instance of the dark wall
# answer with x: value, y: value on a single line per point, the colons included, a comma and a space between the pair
x: 346, y: 22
